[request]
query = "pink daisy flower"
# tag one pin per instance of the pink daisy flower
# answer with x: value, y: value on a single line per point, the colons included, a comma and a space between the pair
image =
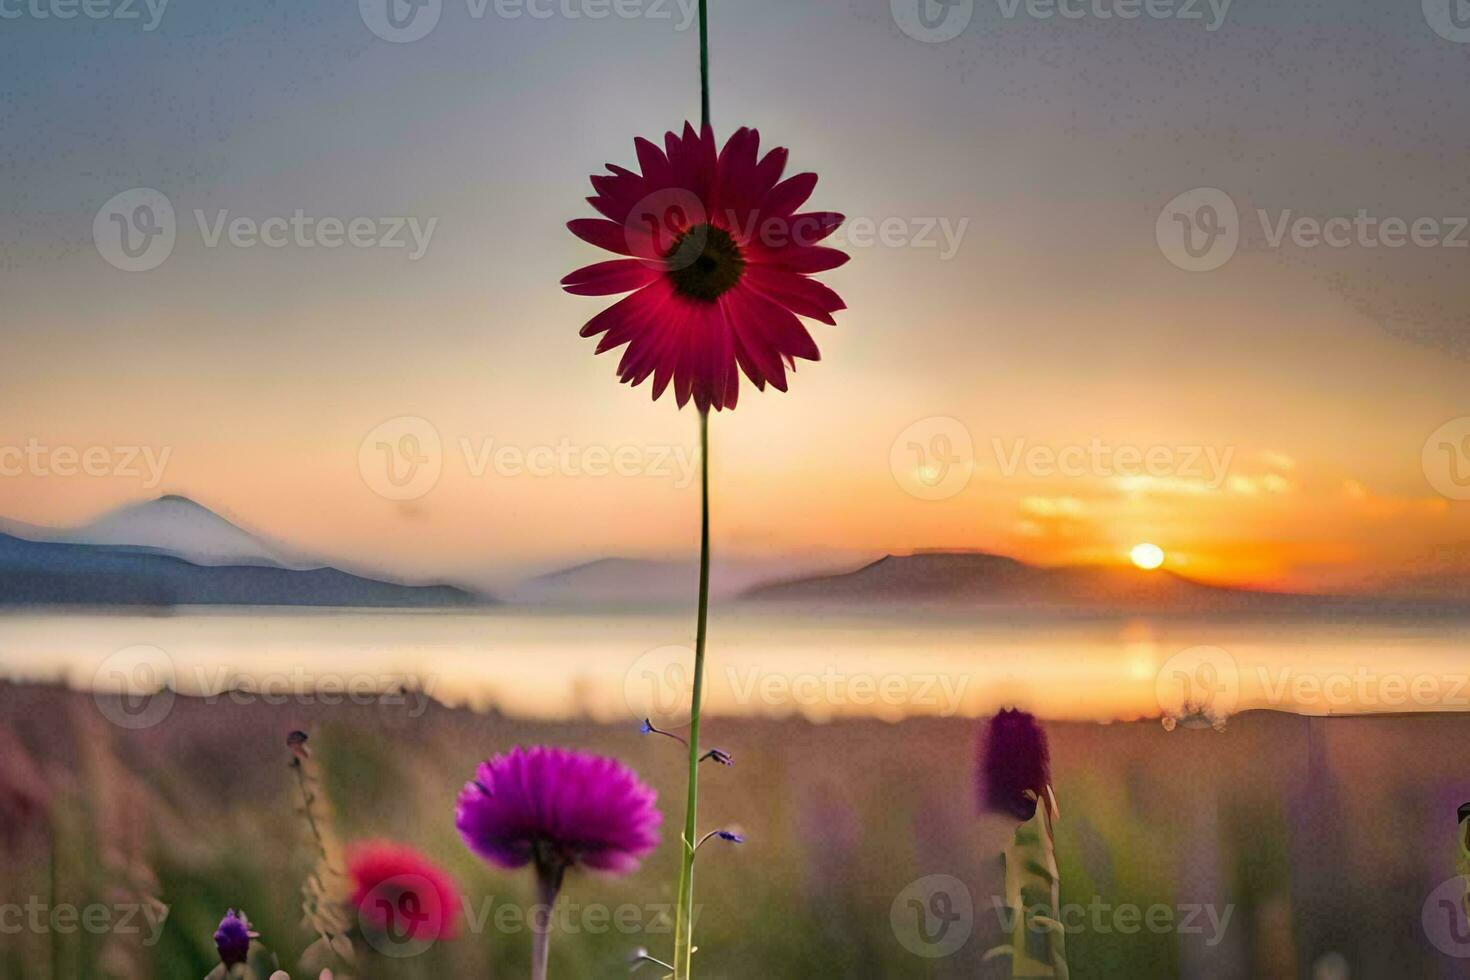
x: 718, y: 260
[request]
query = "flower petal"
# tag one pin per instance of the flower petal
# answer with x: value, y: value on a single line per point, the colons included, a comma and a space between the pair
x: 613, y: 276
x: 603, y: 234
x: 795, y: 292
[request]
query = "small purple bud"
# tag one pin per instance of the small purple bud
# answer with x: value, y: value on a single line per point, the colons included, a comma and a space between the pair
x: 719, y: 755
x: 725, y: 835
x: 649, y: 728
x: 232, y: 938
x: 1013, y: 759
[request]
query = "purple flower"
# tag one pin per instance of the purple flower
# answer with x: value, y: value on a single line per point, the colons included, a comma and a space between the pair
x: 560, y: 809
x: 232, y: 938
x: 1012, y: 759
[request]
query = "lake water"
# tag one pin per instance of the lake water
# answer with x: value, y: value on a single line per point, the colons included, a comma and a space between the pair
x: 613, y: 665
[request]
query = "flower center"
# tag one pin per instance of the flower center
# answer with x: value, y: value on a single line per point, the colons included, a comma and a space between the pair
x: 705, y: 262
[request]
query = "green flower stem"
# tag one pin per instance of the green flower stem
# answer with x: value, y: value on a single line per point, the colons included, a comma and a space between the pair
x: 549, y: 878
x: 703, y: 65
x: 684, y: 914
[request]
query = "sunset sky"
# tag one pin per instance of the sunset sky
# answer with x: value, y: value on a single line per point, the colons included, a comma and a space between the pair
x: 1050, y: 319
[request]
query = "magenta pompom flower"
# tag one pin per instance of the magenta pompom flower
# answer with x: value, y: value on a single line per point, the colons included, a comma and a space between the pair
x: 1014, y: 766
x: 557, y: 809
x: 719, y: 260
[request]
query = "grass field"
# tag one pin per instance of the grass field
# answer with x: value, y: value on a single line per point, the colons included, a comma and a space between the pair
x: 1280, y: 847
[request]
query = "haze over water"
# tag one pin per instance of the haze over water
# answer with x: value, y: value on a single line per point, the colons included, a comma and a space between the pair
x: 549, y: 663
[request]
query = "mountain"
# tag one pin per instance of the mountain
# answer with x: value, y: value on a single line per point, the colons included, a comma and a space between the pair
x: 653, y: 581
x: 172, y: 551
x: 170, y: 525
x: 978, y: 579
x: 50, y: 573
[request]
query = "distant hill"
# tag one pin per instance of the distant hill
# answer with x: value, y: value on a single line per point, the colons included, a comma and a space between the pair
x: 137, y: 571
x: 651, y: 581
x: 978, y: 579
x: 171, y: 525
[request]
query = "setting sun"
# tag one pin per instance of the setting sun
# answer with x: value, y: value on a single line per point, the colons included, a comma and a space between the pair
x: 1148, y: 556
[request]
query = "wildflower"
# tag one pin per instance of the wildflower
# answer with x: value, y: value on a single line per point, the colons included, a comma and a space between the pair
x: 1013, y: 778
x: 1014, y: 769
x: 232, y: 938
x: 397, y: 889
x: 557, y: 809
x: 719, y: 262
